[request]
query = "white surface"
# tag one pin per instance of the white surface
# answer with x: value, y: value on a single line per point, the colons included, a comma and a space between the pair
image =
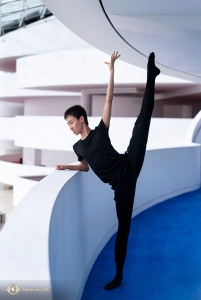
x: 21, y: 187
x: 49, y: 106
x: 51, y: 158
x: 52, y: 133
x: 146, y: 33
x: 87, y: 20
x: 78, y: 67
x: 194, y: 130
x: 10, y: 109
x: 63, y: 244
x: 7, y: 131
x: 43, y: 36
x: 8, y: 145
x: 9, y: 171
x: 10, y: 92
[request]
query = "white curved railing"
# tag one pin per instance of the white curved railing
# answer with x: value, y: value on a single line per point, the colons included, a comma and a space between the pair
x: 193, y: 134
x: 64, y: 213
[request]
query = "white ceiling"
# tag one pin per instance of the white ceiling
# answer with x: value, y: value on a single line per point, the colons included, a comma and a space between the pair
x: 158, y: 7
x: 172, y: 29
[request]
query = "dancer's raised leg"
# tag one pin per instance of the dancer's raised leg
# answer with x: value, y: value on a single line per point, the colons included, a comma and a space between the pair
x: 137, y: 146
x: 136, y: 152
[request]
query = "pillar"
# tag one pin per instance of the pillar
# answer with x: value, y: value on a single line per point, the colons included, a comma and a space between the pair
x: 86, y: 102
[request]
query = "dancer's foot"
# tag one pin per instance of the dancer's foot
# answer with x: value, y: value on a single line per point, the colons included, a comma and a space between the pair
x: 113, y: 284
x: 151, y: 68
x: 152, y: 71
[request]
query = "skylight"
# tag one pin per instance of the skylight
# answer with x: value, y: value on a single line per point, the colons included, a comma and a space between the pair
x: 17, y: 13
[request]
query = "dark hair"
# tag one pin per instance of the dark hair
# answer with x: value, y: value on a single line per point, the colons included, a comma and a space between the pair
x: 76, y: 111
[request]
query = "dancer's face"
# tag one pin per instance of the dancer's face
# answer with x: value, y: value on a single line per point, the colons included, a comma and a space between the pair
x: 74, y: 124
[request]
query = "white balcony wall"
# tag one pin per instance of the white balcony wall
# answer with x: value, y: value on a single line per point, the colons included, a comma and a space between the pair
x: 52, y: 133
x: 7, y: 135
x: 7, y: 128
x: 8, y: 147
x: 9, y: 170
x: 193, y: 133
x: 69, y: 233
x: 10, y: 92
x: 77, y: 67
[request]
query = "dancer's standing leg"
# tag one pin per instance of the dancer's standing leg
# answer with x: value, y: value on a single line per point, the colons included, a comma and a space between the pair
x: 136, y: 152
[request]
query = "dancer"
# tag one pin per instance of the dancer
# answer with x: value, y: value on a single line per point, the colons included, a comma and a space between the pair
x: 121, y: 171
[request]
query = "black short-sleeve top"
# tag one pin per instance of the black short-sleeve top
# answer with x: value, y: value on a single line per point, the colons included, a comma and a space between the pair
x: 104, y: 160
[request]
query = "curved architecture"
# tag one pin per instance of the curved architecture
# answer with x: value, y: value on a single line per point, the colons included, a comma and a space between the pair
x: 136, y: 28
x: 57, y: 230
x: 70, y: 232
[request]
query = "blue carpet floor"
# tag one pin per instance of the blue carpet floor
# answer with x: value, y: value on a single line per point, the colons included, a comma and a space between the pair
x: 164, y: 255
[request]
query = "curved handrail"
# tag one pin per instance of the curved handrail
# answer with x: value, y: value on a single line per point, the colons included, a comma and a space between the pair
x: 193, y: 130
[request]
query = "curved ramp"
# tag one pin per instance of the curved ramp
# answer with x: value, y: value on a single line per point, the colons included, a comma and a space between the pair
x: 163, y: 259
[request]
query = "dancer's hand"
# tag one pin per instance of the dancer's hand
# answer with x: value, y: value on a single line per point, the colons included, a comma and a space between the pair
x: 60, y: 167
x: 110, y: 64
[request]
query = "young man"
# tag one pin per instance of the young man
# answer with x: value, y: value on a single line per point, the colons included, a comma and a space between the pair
x: 119, y: 170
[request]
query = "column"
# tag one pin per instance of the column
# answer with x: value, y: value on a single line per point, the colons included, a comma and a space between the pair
x: 85, y: 102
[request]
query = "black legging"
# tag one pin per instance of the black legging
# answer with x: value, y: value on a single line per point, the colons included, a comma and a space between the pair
x: 135, y: 153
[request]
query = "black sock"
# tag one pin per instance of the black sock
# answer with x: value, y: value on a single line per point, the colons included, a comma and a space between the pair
x: 117, y: 279
x: 152, y: 71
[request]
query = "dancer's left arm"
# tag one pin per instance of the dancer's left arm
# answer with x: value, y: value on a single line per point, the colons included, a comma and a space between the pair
x: 109, y: 97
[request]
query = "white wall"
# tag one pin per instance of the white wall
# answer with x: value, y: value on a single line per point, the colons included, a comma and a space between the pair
x: 9, y: 170
x: 28, y: 156
x: 52, y: 133
x: 10, y: 92
x: 48, y: 158
x: 177, y: 111
x: 129, y: 106
x: 6, y: 145
x: 122, y: 106
x: 193, y: 132
x: 77, y: 67
x: 51, y: 158
x: 63, y: 210
x: 49, y: 106
x: 9, y: 109
x: 7, y: 128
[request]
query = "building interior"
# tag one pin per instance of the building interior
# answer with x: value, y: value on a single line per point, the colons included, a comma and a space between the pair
x: 58, y: 228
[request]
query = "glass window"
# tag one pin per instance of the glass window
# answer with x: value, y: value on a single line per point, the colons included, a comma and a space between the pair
x: 16, y: 13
